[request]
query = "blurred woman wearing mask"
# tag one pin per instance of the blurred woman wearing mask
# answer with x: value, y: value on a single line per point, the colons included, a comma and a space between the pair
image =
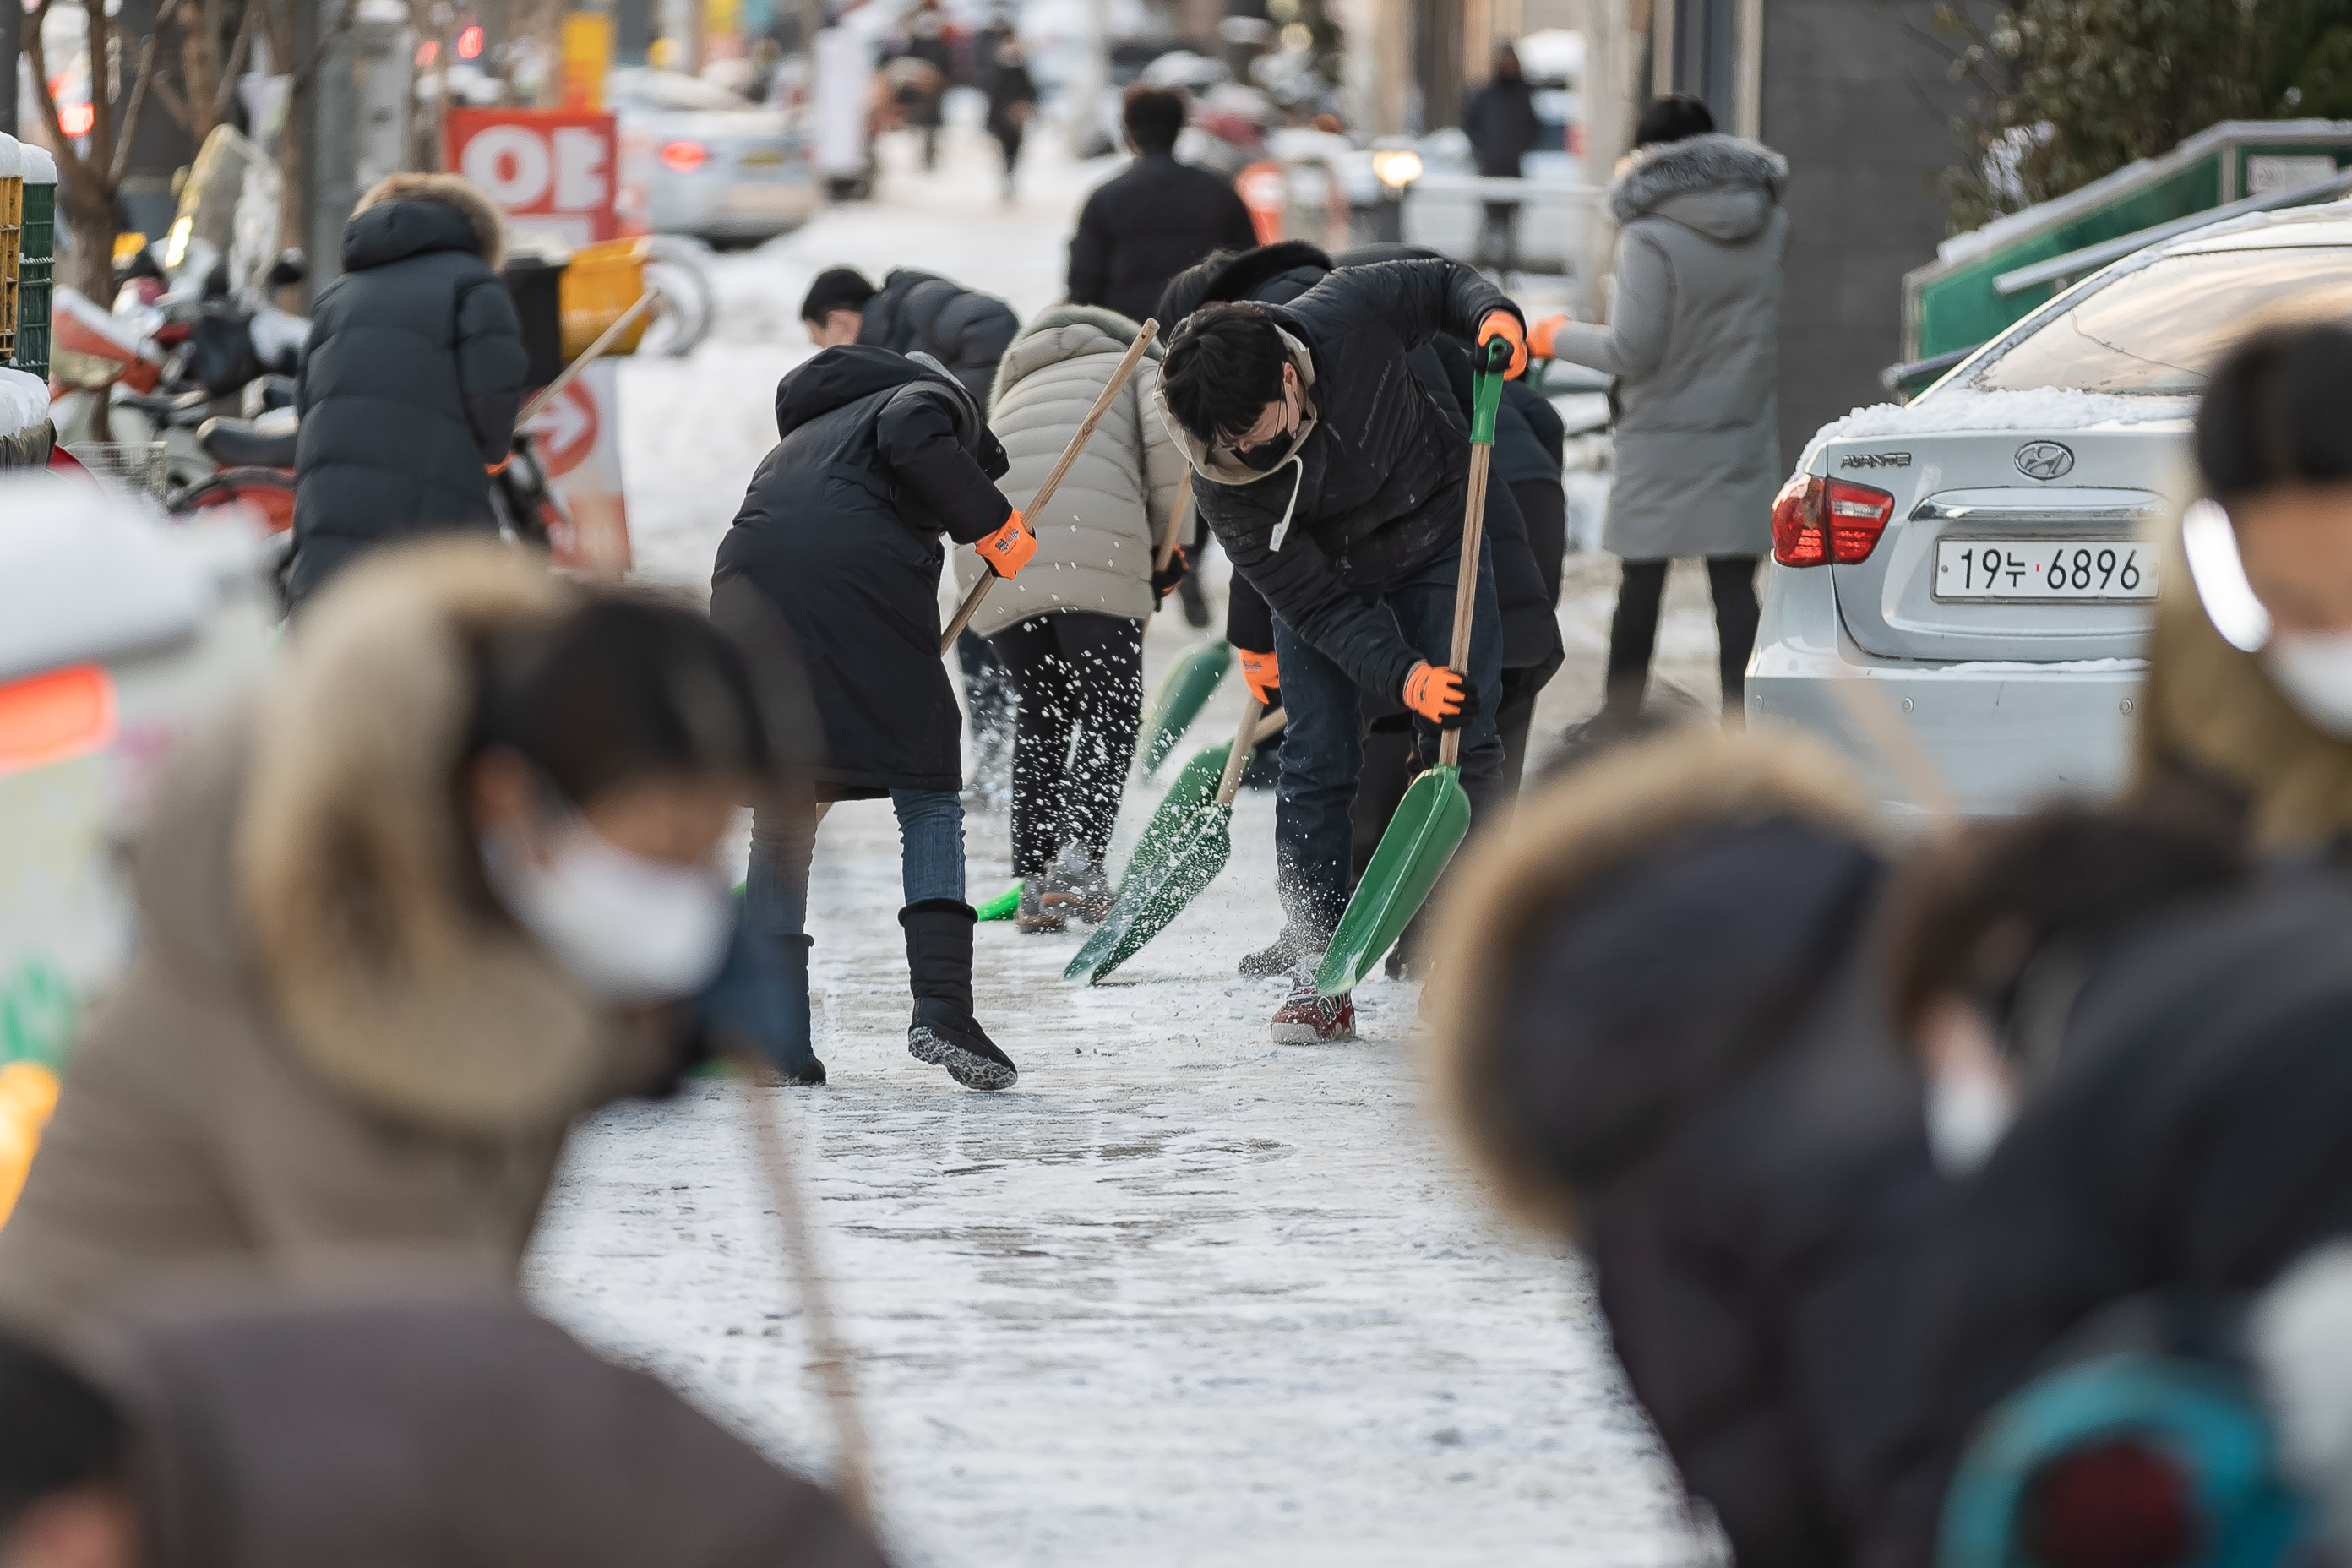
x: 2249, y: 700
x: 447, y: 885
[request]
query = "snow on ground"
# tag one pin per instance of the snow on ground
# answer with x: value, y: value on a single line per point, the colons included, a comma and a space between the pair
x: 1182, y: 1295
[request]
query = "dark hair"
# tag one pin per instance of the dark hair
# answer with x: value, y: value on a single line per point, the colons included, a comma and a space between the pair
x: 1673, y: 117
x: 624, y: 689
x: 1224, y: 368
x: 835, y: 288
x: 2275, y: 411
x: 1154, y: 117
x: 57, y: 1430
x: 1972, y: 916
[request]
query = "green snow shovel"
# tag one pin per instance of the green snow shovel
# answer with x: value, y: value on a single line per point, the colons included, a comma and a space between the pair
x: 1004, y: 906
x: 1190, y: 683
x: 1194, y: 787
x: 1433, y: 816
x: 1147, y: 901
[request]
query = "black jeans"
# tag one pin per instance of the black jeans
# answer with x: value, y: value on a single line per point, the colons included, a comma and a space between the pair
x: 1633, y: 632
x: 1080, y: 680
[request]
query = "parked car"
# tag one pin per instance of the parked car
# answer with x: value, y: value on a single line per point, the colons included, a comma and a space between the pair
x: 698, y: 159
x: 1986, y: 558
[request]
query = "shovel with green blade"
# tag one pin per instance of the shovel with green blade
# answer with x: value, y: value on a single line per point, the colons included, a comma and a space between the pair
x: 1155, y: 894
x: 1195, y: 787
x: 1434, y: 816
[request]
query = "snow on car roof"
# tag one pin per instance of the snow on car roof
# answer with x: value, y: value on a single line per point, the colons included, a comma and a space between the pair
x: 1959, y: 410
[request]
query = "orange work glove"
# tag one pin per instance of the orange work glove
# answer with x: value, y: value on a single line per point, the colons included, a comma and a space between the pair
x: 1259, y: 673
x: 1540, y: 336
x: 1445, y: 698
x: 1009, y: 548
x: 1505, y: 325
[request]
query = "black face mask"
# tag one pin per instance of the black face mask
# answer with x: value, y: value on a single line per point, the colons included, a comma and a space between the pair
x: 1266, y: 455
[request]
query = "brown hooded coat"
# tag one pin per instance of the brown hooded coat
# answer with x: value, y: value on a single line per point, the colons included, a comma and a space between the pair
x: 330, y: 1035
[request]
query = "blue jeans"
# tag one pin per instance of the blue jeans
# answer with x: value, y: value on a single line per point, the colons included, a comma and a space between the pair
x: 930, y: 856
x: 1322, y: 745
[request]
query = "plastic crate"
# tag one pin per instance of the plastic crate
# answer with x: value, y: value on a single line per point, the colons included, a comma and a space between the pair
x: 34, y: 278
x: 134, y: 465
x: 602, y: 281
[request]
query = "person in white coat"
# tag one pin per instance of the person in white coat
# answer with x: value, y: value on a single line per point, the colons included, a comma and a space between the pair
x: 1070, y: 627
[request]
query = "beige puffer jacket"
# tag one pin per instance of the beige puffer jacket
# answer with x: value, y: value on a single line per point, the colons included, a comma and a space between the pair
x: 1095, y: 544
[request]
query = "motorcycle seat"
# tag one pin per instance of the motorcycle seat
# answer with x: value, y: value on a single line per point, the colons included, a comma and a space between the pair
x: 167, y: 407
x: 235, y: 443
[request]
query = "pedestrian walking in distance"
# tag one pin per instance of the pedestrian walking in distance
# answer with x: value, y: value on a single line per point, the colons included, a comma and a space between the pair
x: 1692, y: 342
x: 1503, y: 128
x: 1011, y: 100
x: 413, y: 375
x: 1337, y: 487
x: 879, y: 455
x: 438, y: 893
x: 1154, y: 218
x: 1659, y: 1028
x: 1071, y: 628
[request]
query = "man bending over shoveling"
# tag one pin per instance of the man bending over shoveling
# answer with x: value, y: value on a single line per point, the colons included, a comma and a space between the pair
x: 1337, y: 489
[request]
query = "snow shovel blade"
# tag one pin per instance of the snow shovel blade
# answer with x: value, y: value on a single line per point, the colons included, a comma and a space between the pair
x: 1147, y: 903
x: 1195, y: 788
x: 1002, y: 907
x: 1428, y: 828
x: 1180, y: 699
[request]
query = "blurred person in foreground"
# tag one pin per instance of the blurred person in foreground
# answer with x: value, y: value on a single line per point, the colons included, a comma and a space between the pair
x: 1692, y: 340
x: 1070, y: 627
x: 1155, y: 218
x: 2195, y: 1131
x: 413, y: 375
x: 377, y: 1418
x: 1659, y: 1025
x: 450, y: 883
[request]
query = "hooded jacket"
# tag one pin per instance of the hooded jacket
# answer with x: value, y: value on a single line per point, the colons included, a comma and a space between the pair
x: 412, y: 377
x: 921, y: 312
x: 1371, y: 487
x: 330, y: 1035
x: 1147, y: 224
x: 1095, y: 548
x: 378, y: 1417
x: 880, y: 453
x: 1661, y: 1031
x: 1692, y: 339
x: 2193, y: 1136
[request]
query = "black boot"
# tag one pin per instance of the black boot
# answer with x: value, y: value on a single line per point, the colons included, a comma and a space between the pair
x: 794, y: 1068
x: 939, y: 968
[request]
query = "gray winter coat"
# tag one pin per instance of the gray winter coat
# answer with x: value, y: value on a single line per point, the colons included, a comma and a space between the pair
x: 1691, y: 341
x: 1096, y: 543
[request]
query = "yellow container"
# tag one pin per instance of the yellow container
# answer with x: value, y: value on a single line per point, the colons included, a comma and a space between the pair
x: 600, y: 282
x: 29, y: 1093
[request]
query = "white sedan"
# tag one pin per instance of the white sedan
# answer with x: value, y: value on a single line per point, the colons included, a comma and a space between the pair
x: 1986, y: 558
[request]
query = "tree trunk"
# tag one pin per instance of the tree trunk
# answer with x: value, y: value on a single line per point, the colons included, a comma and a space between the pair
x: 89, y: 219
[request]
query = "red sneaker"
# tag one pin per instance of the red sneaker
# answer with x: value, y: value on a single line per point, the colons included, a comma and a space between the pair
x: 1308, y: 1018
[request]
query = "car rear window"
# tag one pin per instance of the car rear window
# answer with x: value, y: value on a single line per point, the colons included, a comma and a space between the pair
x: 2154, y: 332
x: 673, y: 89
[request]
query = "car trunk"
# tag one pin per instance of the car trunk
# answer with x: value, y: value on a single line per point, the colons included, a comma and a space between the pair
x: 1980, y: 495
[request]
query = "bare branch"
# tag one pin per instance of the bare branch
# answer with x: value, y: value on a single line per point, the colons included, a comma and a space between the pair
x: 231, y: 61
x: 140, y: 86
x: 37, y: 52
x: 174, y: 105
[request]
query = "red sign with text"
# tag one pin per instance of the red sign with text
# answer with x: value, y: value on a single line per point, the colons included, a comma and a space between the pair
x: 552, y: 170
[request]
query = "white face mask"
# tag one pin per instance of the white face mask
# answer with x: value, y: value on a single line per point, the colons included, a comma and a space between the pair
x: 1968, y: 1110
x: 628, y: 928
x: 2315, y: 671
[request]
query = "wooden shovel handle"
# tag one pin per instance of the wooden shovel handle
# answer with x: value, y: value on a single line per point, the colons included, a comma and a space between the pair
x: 1175, y: 529
x: 1230, y: 784
x: 1037, y: 502
x: 564, y: 378
x: 1465, y: 593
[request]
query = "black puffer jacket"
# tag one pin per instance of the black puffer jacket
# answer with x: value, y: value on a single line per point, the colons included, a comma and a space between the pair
x: 840, y: 530
x: 1663, y: 1032
x: 409, y: 388
x: 2196, y: 1134
x: 1146, y: 224
x: 966, y: 331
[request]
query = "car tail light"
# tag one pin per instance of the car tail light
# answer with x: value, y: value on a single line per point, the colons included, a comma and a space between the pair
x: 1796, y: 537
x: 685, y: 157
x: 1857, y: 515
x: 52, y: 717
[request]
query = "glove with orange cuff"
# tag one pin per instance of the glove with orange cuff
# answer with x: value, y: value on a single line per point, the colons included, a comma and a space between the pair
x: 1009, y: 548
x: 1260, y: 674
x: 1446, y: 698
x: 1503, y: 325
x: 1544, y: 334
x: 1168, y: 577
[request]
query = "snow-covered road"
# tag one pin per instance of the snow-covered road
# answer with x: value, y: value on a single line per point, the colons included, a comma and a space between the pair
x: 1181, y: 1296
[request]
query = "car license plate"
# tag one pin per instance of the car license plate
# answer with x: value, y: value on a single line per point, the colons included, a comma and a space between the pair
x: 763, y: 158
x: 2025, y: 569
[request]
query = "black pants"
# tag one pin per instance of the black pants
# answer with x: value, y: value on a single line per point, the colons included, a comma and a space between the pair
x: 1545, y: 505
x: 1633, y: 632
x: 1080, y: 678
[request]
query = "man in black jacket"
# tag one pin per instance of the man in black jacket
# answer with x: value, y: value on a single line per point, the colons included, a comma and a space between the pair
x: 413, y: 375
x: 1337, y: 485
x: 964, y: 330
x: 881, y: 454
x: 1145, y: 226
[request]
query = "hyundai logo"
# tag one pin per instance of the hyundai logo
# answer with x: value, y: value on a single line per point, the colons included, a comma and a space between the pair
x: 2044, y: 460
